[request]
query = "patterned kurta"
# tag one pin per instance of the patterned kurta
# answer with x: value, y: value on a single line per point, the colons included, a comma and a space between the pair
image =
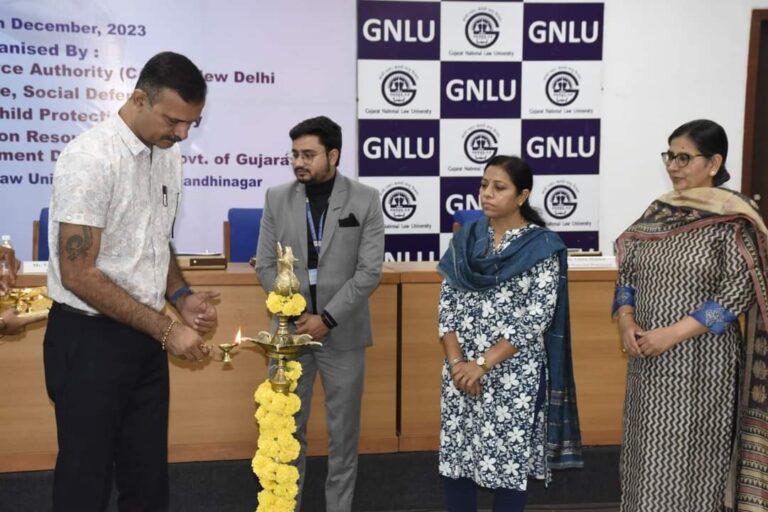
x: 680, y: 405
x: 496, y: 439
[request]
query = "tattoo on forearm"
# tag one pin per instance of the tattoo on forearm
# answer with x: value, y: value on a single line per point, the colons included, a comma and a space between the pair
x: 77, y: 246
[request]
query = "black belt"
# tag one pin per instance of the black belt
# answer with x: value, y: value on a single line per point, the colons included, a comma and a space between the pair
x: 70, y: 309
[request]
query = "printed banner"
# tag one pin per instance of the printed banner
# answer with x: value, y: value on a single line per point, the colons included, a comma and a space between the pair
x: 66, y: 65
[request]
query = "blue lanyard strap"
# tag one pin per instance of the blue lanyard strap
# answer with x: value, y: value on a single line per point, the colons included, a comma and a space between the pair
x: 317, y: 236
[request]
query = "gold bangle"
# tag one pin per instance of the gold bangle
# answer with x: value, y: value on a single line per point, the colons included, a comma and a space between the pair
x: 167, y: 333
x: 622, y: 315
x: 455, y: 360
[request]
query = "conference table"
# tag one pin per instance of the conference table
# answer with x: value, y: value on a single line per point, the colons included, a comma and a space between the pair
x: 212, y: 408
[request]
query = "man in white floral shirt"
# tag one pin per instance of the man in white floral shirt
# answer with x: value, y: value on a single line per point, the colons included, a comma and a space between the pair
x: 115, y: 193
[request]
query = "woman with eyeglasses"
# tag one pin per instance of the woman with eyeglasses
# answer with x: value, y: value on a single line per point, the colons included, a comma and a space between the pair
x: 695, y: 422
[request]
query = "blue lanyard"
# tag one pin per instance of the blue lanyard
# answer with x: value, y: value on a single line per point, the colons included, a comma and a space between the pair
x: 317, y: 237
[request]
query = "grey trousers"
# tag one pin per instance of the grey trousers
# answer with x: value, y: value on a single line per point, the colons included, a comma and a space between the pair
x: 342, y: 374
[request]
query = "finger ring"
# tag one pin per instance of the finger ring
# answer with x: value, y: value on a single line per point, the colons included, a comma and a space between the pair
x: 624, y: 350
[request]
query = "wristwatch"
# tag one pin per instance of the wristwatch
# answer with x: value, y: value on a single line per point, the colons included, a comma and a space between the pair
x: 481, y: 363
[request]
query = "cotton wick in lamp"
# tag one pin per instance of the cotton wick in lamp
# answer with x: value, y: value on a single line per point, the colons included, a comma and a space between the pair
x: 226, y: 348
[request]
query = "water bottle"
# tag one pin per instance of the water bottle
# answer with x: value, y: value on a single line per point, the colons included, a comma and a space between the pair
x: 5, y: 269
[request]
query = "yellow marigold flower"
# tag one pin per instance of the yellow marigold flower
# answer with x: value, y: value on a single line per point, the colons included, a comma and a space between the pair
x: 293, y: 490
x: 279, y: 403
x: 286, y: 474
x: 268, y: 447
x: 289, y: 450
x: 298, y: 301
x: 292, y: 404
x: 264, y: 394
x: 276, y: 424
x: 285, y: 439
x: 274, y: 503
x: 273, y: 467
x: 286, y: 492
x: 267, y: 423
x: 289, y: 426
x: 293, y: 373
x: 274, y: 303
x: 261, y: 412
x: 295, y: 305
x: 264, y: 467
x: 270, y: 485
x: 267, y: 501
x: 284, y: 504
x: 271, y: 420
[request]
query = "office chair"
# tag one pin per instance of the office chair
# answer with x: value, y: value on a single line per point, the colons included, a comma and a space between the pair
x: 241, y: 233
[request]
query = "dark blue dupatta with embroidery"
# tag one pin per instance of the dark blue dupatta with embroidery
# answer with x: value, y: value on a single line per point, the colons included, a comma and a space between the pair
x: 469, y: 265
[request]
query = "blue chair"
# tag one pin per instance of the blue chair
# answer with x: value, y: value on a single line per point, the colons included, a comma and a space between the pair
x: 461, y: 217
x: 40, y: 237
x: 241, y: 233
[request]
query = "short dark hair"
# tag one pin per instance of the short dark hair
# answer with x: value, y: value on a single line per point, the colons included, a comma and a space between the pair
x: 710, y: 140
x: 521, y: 175
x: 168, y: 70
x: 324, y: 128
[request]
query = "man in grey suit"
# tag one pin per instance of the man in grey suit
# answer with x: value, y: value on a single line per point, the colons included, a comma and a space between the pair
x: 336, y: 230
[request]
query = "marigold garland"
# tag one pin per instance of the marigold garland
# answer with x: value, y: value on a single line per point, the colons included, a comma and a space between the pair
x: 292, y: 305
x: 276, y: 446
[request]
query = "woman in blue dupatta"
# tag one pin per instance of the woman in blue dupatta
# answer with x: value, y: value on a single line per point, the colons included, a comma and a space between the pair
x: 508, y: 409
x: 695, y: 426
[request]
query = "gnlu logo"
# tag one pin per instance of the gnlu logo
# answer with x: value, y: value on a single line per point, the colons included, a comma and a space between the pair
x: 482, y: 30
x: 560, y: 202
x: 399, y: 88
x: 480, y: 145
x: 562, y: 88
x: 399, y: 203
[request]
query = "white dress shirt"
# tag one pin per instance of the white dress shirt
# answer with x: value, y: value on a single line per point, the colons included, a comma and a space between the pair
x: 107, y: 178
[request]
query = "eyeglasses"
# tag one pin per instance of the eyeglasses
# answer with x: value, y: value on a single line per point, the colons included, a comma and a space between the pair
x: 305, y: 156
x: 681, y: 159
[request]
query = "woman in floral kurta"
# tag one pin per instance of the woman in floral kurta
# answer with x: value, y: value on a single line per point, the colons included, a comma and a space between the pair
x: 503, y: 278
x: 497, y: 438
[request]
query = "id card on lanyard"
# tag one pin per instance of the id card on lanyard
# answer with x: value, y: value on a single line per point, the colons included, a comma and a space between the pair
x: 317, y: 239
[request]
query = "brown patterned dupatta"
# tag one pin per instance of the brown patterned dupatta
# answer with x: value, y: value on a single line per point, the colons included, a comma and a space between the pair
x: 677, y: 212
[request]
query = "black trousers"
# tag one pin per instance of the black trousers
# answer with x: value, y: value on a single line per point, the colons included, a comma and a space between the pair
x: 109, y: 384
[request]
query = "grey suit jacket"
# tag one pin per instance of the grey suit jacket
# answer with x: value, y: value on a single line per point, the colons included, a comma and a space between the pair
x: 350, y: 259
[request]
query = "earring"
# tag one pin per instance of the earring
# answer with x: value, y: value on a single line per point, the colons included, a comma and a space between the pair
x: 713, y: 173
